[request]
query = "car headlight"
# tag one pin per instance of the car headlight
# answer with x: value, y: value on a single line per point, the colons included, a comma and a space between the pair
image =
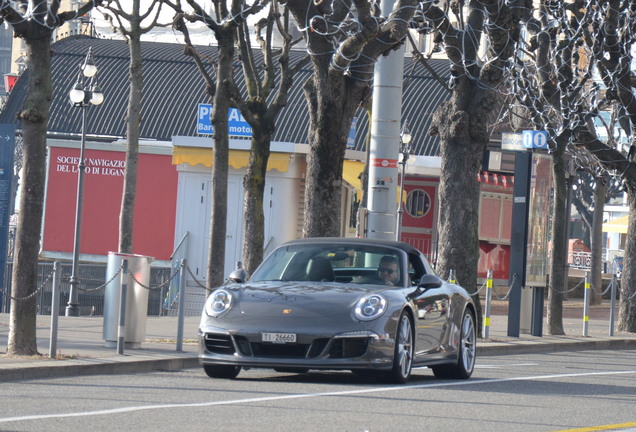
x: 219, y: 302
x: 370, y: 307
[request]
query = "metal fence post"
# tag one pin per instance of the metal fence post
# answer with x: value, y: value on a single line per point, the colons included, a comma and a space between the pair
x: 612, y: 304
x: 181, y: 309
x: 487, y: 307
x: 55, y: 308
x: 121, y: 330
x: 586, y: 304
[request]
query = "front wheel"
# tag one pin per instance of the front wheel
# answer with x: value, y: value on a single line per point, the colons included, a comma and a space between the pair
x: 215, y: 371
x: 465, y: 364
x: 403, y: 356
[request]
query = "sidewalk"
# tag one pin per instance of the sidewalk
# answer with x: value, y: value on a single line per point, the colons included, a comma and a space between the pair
x: 81, y: 349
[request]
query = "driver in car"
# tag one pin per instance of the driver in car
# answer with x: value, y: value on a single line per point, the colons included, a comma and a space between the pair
x: 388, y: 270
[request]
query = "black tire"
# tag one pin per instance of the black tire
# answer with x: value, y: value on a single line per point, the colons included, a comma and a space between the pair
x: 463, y: 368
x: 215, y: 371
x: 403, y: 354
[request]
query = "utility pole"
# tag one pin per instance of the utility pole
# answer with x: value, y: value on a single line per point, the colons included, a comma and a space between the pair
x: 385, y: 139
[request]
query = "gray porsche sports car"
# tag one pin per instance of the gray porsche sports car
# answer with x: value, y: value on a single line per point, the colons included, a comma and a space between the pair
x: 370, y: 306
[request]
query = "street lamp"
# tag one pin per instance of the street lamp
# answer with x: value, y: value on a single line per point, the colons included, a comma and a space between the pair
x: 84, y: 93
x: 405, y: 150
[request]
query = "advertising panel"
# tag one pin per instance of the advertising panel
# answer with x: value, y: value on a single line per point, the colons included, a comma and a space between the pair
x: 538, y: 220
x: 154, y: 220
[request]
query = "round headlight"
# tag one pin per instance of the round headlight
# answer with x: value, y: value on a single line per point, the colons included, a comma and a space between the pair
x: 219, y: 302
x: 370, y: 307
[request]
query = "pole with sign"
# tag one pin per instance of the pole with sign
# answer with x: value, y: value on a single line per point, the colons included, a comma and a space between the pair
x: 7, y: 145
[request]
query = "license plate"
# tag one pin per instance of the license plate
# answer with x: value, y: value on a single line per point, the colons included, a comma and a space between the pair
x: 279, y: 337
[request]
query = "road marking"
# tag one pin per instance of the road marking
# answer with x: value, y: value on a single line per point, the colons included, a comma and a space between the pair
x: 309, y: 395
x: 503, y: 366
x: 614, y: 427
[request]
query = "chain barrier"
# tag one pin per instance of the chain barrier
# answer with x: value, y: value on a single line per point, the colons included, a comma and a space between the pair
x: 602, y: 293
x: 568, y: 290
x: 195, y: 278
x: 158, y: 287
x: 91, y: 290
x: 34, y: 293
x: 512, y: 284
x: 480, y: 288
x: 452, y: 278
x: 626, y: 298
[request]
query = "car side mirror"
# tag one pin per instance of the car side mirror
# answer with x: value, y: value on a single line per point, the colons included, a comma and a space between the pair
x: 238, y: 276
x: 429, y: 281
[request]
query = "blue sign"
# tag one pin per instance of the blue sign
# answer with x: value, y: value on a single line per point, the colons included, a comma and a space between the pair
x: 237, y: 126
x: 351, y: 140
x: 7, y: 144
x: 533, y: 139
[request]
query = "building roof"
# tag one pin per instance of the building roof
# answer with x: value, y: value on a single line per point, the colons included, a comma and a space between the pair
x: 173, y: 88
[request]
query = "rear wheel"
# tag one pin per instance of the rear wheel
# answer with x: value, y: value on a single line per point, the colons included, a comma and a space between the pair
x: 403, y: 356
x: 465, y: 364
x: 215, y: 371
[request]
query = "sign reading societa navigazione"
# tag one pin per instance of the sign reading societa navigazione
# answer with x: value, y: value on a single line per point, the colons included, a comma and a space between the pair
x: 238, y: 126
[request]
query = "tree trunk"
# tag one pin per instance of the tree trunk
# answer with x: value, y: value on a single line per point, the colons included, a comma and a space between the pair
x: 218, y: 222
x: 34, y: 117
x: 627, y: 307
x: 558, y: 275
x: 461, y: 150
x: 596, y: 274
x: 329, y: 124
x: 254, y: 187
x: 126, y: 216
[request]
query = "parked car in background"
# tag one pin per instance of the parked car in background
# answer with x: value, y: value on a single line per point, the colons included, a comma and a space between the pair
x: 374, y: 307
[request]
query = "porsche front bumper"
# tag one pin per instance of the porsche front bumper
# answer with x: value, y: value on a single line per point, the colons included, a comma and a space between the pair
x: 344, y: 350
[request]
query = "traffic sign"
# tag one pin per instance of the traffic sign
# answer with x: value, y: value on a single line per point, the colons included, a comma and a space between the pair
x: 534, y: 139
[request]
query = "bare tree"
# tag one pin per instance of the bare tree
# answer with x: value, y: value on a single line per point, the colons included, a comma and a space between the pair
x: 344, y: 39
x: 225, y: 25
x: 478, y: 38
x: 581, y: 52
x: 261, y: 114
x: 128, y: 20
x: 35, y: 22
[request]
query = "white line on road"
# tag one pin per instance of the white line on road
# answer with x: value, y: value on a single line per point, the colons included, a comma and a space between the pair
x: 307, y: 395
x: 506, y: 365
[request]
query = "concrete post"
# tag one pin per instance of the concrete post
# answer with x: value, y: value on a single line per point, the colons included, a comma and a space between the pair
x: 385, y: 137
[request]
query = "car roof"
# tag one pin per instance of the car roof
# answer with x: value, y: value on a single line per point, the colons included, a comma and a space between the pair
x: 355, y: 241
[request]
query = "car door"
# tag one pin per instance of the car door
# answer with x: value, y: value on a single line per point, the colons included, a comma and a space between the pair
x: 431, y: 311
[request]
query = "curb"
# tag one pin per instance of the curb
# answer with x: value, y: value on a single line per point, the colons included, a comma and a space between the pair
x: 579, y: 344
x: 139, y: 364
x: 67, y: 368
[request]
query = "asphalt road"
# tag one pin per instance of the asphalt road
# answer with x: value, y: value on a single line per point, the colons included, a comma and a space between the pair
x: 538, y: 392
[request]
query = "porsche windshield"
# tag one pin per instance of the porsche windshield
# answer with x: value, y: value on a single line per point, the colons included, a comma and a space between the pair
x: 331, y: 263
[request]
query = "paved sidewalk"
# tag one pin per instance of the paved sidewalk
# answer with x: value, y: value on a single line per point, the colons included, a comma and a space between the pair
x: 81, y: 349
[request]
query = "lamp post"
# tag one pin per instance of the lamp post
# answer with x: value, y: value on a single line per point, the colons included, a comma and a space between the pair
x: 85, y: 92
x: 405, y: 150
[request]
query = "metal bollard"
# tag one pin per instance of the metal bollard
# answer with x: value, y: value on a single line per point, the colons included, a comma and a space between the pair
x: 612, y: 304
x: 487, y: 307
x: 181, y: 309
x: 451, y: 276
x: 121, y: 330
x: 55, y: 308
x: 586, y: 305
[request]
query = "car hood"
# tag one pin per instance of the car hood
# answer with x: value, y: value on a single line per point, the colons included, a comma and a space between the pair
x: 301, y: 298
